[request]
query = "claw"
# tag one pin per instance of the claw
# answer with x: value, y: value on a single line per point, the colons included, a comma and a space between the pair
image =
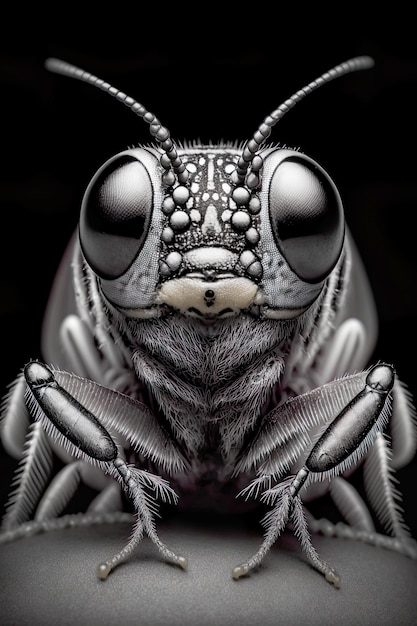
x: 333, y: 577
x: 183, y: 562
x: 104, y: 570
x: 240, y: 570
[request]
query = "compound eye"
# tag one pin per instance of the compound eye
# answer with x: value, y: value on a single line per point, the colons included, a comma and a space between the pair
x: 307, y: 218
x: 115, y: 216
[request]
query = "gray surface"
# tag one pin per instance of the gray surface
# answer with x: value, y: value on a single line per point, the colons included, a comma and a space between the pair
x: 51, y: 579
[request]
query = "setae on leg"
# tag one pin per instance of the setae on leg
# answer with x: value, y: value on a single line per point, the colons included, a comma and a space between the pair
x: 343, y: 443
x: 73, y: 426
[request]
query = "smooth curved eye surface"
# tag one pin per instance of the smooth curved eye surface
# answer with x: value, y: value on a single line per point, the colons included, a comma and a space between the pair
x: 115, y: 216
x: 307, y: 218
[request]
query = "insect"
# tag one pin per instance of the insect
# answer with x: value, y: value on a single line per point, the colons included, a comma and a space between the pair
x: 211, y: 340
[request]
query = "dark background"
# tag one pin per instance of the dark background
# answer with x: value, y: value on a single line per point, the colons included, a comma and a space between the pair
x: 211, y: 78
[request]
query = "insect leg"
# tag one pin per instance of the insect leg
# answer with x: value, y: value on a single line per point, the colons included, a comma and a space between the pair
x: 66, y: 419
x: 144, y: 522
x: 274, y: 528
x: 30, y: 478
x: 59, y: 492
x: 379, y: 486
x: 287, y: 507
x: 347, y: 438
x: 348, y: 432
x: 15, y: 419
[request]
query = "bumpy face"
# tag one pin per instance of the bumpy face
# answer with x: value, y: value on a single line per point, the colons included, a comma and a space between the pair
x: 211, y: 248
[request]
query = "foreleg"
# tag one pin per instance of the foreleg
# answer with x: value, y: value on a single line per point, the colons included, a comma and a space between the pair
x: 343, y: 443
x: 71, y: 424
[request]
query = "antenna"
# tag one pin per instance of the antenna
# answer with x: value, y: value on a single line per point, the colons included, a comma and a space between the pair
x: 159, y: 132
x: 264, y: 130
